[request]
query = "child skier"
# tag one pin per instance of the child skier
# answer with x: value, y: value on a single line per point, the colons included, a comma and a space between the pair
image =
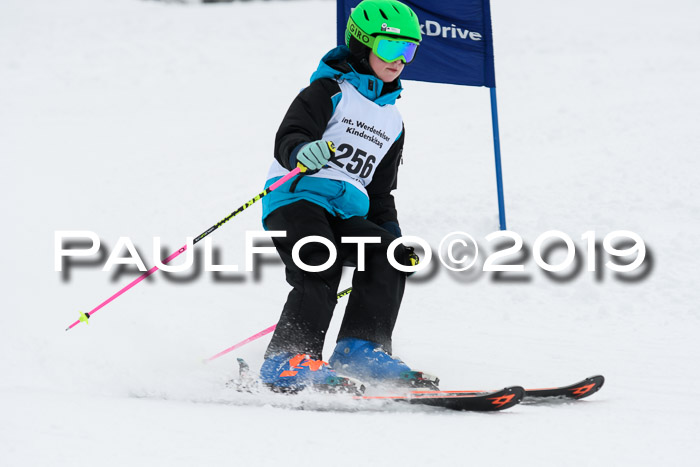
x: 346, y: 134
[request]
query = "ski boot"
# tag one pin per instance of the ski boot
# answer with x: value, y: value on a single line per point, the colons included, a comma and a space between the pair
x: 290, y: 373
x: 368, y: 362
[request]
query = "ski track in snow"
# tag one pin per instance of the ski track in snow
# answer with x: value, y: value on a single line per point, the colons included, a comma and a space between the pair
x: 139, y: 118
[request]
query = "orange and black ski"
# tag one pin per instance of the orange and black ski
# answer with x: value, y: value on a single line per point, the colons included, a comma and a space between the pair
x: 465, y: 401
x: 578, y: 390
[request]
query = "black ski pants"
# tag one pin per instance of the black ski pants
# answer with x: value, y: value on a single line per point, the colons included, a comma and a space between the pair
x: 377, y: 291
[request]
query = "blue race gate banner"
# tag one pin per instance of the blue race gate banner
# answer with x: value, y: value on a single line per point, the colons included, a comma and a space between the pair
x: 457, y: 48
x: 457, y: 45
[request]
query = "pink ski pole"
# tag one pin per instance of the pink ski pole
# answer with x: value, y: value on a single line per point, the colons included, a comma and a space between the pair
x: 262, y: 333
x: 85, y: 316
x: 243, y: 342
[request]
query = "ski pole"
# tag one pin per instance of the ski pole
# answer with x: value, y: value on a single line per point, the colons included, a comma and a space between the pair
x: 85, y: 316
x: 262, y: 333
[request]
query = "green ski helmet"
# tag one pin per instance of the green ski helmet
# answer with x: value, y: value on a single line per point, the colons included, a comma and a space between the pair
x: 387, y: 27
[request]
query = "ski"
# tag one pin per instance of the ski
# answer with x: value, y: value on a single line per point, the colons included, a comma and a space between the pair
x: 579, y: 390
x: 459, y: 400
x: 475, y: 402
x: 584, y: 388
x: 489, y: 401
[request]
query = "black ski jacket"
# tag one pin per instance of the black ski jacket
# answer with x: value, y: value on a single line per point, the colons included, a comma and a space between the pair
x: 306, y: 121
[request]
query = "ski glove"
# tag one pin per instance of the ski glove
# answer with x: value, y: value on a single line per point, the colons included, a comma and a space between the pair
x: 313, y: 156
x: 413, y: 259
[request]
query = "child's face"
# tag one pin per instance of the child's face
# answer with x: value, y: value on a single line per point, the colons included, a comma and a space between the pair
x: 386, y: 71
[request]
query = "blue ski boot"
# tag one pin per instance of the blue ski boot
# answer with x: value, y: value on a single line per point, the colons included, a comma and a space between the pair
x: 367, y: 362
x: 290, y: 373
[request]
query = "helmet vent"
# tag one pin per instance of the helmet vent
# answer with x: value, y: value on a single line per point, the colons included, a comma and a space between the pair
x: 397, y: 10
x: 383, y: 14
x: 366, y: 17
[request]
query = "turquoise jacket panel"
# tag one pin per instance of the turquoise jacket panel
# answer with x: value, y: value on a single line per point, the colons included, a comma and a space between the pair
x: 341, y: 199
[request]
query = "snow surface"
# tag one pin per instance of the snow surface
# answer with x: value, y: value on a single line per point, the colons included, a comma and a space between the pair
x: 135, y: 118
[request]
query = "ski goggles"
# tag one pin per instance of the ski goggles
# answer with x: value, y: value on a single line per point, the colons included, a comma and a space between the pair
x: 389, y: 49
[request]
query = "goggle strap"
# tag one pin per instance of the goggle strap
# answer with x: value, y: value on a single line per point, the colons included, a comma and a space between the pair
x: 354, y: 30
